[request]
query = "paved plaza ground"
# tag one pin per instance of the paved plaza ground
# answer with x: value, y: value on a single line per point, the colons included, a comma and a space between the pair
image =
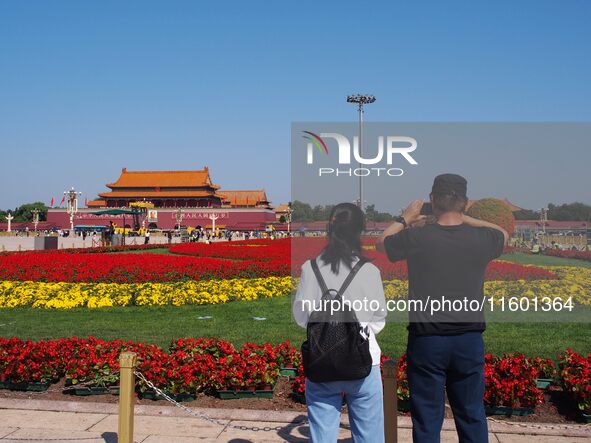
x: 51, y: 421
x: 12, y: 243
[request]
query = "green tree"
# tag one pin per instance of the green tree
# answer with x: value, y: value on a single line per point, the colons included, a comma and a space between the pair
x: 24, y: 213
x: 301, y: 211
x: 526, y: 214
x: 576, y: 211
x: 376, y: 216
x: 2, y: 215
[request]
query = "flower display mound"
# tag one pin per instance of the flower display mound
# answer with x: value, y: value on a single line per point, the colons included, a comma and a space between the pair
x: 494, y: 211
x: 131, y: 268
x: 579, y: 255
x: 575, y: 373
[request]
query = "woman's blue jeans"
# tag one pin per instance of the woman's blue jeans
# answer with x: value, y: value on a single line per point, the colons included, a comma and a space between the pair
x: 364, y: 401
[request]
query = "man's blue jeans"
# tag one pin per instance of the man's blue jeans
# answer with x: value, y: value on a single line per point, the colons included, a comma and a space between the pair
x: 455, y: 363
x: 364, y: 401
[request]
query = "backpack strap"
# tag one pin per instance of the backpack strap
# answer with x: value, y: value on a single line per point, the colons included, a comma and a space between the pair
x: 319, y: 277
x: 352, y: 275
x: 347, y: 281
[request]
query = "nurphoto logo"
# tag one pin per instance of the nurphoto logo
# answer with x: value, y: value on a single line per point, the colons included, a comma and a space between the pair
x: 388, y: 147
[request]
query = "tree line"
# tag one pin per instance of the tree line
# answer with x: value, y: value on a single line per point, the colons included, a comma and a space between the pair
x: 304, y: 212
x: 576, y: 211
x: 24, y: 213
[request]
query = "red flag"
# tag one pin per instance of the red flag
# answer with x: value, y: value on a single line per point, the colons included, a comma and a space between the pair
x: 52, y: 202
x: 63, y: 200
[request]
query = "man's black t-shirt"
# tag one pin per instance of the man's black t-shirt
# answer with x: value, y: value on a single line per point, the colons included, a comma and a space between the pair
x: 445, y: 263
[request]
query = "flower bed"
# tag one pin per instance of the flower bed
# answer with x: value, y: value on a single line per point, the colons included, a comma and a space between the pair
x: 191, y: 365
x: 261, y: 250
x: 73, y: 295
x: 572, y: 282
x: 510, y: 383
x: 579, y: 255
x: 212, y: 366
x: 304, y: 248
x: 200, y: 261
x: 130, y: 268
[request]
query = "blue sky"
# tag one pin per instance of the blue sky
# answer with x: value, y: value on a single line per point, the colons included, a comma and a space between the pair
x: 89, y: 87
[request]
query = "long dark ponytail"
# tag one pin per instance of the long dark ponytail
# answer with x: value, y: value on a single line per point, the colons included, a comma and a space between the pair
x: 345, y: 225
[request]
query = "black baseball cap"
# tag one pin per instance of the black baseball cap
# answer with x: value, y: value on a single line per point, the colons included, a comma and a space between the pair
x: 453, y: 184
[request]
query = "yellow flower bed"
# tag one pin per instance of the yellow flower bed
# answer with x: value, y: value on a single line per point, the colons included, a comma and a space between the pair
x: 98, y: 295
x: 574, y: 282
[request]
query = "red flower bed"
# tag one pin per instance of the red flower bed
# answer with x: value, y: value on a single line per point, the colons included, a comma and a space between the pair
x: 263, y: 250
x: 575, y: 372
x: 129, y: 268
x: 247, y: 259
x: 579, y: 255
x: 510, y: 380
x: 306, y: 248
x: 195, y: 365
x: 32, y: 362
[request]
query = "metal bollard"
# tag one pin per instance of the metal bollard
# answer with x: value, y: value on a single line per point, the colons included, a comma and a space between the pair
x: 390, y: 402
x: 127, y: 362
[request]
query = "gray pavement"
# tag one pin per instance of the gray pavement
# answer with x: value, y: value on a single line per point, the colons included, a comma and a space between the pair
x: 61, y: 421
x: 24, y: 243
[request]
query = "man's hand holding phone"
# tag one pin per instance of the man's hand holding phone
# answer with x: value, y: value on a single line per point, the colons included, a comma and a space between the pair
x: 413, y: 214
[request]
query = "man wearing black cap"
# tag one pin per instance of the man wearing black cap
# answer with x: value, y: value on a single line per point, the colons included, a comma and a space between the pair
x: 445, y: 351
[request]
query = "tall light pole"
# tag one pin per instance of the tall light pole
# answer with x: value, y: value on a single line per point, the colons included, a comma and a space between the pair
x: 72, y: 199
x: 35, y: 213
x: 543, y: 219
x: 360, y: 100
x: 179, y: 218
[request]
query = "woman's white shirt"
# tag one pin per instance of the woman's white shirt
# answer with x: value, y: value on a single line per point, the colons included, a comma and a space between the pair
x: 366, y: 286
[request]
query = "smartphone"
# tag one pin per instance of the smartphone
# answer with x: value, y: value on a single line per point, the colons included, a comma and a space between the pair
x: 427, y: 209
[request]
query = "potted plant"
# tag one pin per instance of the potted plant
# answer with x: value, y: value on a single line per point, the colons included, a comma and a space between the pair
x: 511, y: 387
x: 546, y: 371
x: 575, y: 373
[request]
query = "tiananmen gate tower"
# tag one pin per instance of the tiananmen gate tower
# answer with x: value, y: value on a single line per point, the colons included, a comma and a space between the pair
x: 193, y: 192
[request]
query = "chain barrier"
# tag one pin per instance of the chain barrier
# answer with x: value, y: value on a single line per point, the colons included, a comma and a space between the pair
x: 202, y: 416
x: 305, y: 421
x: 557, y: 427
x: 225, y: 423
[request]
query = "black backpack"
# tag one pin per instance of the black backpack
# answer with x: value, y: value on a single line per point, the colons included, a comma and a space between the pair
x: 335, y: 348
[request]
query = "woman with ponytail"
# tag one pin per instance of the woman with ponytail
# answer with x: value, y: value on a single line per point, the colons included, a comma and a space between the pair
x: 363, y: 396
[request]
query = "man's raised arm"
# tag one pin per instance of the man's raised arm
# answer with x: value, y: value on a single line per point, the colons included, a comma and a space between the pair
x: 484, y: 224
